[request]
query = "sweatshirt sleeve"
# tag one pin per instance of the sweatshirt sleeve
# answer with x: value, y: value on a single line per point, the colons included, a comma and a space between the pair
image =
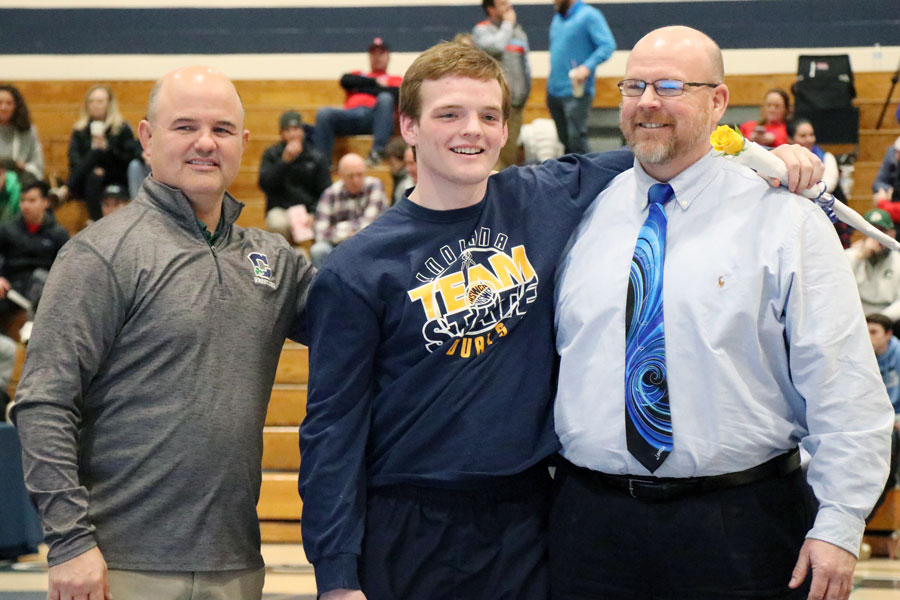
x: 76, y: 325
x: 492, y: 39
x: 602, y: 37
x: 303, y: 275
x: 888, y: 164
x: 34, y: 159
x: 584, y: 176
x: 344, y: 336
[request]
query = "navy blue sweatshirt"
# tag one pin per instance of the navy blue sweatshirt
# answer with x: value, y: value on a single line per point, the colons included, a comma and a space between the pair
x: 431, y: 349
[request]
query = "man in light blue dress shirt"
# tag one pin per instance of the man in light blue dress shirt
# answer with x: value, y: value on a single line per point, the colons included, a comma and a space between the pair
x: 766, y: 350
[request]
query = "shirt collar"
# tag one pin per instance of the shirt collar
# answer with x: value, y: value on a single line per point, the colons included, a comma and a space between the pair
x: 688, y: 184
x: 173, y: 202
x: 573, y: 9
x: 212, y: 237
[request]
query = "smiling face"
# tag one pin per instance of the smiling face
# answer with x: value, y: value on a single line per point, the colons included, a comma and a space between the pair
x: 459, y: 134
x: 667, y: 135
x: 805, y: 135
x: 195, y: 136
x: 7, y: 107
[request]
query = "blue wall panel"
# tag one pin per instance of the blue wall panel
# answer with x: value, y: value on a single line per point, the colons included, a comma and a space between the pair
x: 734, y: 24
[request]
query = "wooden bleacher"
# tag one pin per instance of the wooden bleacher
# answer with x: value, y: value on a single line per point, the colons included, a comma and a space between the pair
x: 883, y: 531
x: 54, y: 108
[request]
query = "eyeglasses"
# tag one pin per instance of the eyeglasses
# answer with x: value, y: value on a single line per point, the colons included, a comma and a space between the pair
x: 665, y: 88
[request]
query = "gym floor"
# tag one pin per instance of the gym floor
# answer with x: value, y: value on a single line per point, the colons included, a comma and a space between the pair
x: 289, y: 577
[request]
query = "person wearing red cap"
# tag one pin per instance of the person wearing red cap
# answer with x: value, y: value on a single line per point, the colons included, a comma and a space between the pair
x: 368, y: 109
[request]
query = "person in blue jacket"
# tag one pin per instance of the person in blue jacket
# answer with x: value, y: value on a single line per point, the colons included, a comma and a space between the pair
x: 580, y: 40
x: 429, y: 419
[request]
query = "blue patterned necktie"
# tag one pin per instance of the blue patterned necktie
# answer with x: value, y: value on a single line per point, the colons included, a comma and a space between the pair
x: 648, y: 420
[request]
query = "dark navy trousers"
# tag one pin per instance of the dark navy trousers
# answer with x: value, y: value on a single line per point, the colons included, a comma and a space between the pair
x: 488, y: 543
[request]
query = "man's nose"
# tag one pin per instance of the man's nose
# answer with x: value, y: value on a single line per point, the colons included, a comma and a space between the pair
x: 205, y: 141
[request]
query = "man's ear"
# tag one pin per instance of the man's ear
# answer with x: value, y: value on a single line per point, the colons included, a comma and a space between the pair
x: 144, y: 135
x: 409, y: 129
x: 720, y: 101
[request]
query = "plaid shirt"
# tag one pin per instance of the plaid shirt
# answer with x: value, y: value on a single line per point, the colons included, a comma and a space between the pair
x: 339, y: 215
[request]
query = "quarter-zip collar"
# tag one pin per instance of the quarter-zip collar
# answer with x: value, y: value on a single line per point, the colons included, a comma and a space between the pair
x: 173, y: 202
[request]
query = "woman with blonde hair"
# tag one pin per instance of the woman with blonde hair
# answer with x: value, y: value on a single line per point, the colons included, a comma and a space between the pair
x: 100, y: 149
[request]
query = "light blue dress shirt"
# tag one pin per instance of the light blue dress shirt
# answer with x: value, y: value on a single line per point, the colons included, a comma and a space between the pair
x: 766, y: 343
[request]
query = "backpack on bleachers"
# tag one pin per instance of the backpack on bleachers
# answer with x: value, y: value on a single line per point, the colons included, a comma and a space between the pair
x: 824, y: 82
x: 824, y: 93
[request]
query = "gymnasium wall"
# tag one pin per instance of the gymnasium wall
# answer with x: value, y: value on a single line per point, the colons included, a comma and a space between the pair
x: 303, y: 39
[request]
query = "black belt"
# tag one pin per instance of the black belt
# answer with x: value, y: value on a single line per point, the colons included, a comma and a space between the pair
x: 670, y: 488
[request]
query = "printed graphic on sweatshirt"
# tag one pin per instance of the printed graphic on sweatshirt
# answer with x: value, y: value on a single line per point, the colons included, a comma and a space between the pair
x: 472, y: 293
x: 262, y: 272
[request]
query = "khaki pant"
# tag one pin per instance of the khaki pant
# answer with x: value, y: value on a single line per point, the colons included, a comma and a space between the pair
x: 245, y: 584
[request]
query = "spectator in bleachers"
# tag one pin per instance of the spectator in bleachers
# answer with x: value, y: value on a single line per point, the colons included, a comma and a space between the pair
x: 771, y: 129
x: 346, y: 206
x: 29, y: 244
x: 887, y: 351
x: 291, y: 173
x: 801, y: 131
x: 368, y: 109
x: 114, y: 198
x: 138, y: 169
x: 580, y: 39
x: 877, y: 269
x: 12, y: 317
x: 501, y: 36
x: 412, y: 172
x: 18, y: 136
x: 100, y: 149
x: 887, y: 183
x: 411, y: 175
x: 10, y: 191
x: 394, y: 155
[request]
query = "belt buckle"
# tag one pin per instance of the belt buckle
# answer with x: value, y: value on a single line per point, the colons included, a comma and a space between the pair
x: 631, y: 488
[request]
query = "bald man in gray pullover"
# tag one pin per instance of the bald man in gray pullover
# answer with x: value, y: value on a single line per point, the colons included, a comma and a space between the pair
x: 153, y: 355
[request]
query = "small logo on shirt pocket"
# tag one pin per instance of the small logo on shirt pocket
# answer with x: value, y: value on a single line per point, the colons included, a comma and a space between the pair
x: 262, y: 272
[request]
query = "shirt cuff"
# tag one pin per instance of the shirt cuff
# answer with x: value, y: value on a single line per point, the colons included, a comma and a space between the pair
x: 337, y: 572
x: 840, y: 529
x: 65, y: 551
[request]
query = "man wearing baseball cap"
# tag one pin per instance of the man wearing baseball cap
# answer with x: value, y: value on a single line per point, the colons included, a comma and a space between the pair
x: 291, y: 172
x: 368, y: 109
x: 877, y: 269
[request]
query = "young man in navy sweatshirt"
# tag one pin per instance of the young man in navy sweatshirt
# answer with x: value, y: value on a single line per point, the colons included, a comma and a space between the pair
x: 429, y: 416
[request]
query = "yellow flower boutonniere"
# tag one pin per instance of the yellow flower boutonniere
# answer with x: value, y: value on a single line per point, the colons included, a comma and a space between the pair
x: 727, y: 140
